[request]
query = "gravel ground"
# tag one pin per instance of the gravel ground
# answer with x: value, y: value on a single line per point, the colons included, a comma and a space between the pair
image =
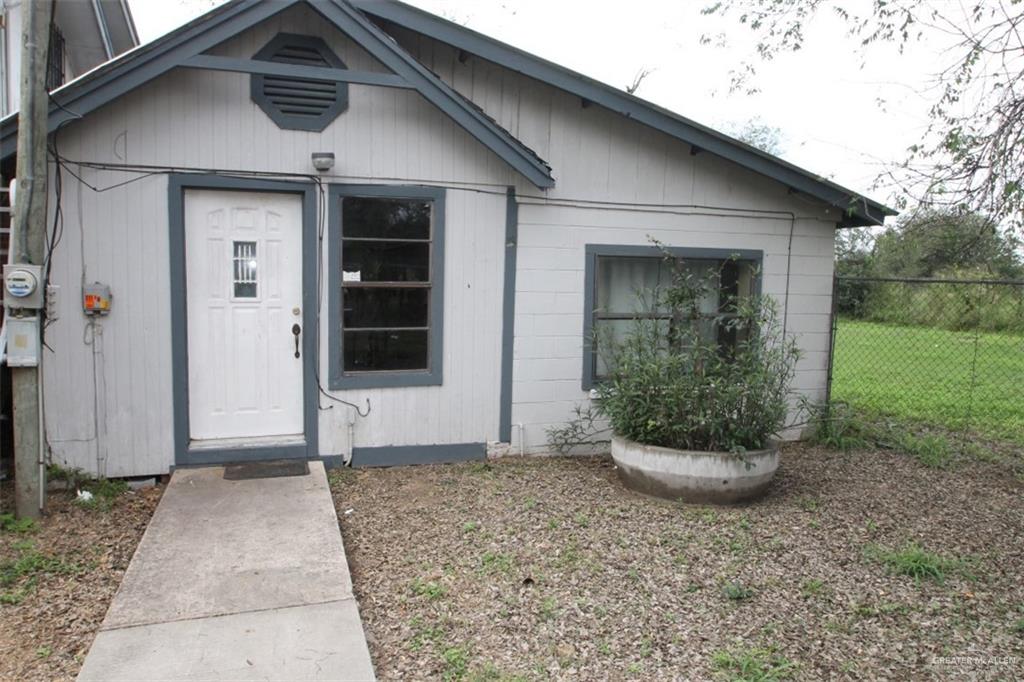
x: 62, y: 576
x: 538, y: 568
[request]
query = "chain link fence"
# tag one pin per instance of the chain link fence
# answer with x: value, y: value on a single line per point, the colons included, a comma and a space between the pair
x: 939, y: 352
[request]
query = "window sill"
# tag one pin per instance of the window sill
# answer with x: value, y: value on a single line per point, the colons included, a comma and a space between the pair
x: 384, y: 380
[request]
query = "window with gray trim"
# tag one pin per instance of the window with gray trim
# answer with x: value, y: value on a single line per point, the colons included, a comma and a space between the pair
x: 386, y: 284
x: 299, y: 103
x: 621, y: 280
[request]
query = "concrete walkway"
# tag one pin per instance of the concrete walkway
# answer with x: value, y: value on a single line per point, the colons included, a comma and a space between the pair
x: 236, y: 580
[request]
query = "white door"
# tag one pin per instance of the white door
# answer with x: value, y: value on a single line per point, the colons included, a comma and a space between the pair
x: 243, y: 253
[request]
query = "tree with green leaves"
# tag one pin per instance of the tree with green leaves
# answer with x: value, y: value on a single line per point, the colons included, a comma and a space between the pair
x: 971, y: 157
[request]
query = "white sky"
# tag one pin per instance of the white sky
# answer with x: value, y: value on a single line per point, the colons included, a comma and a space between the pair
x: 824, y: 99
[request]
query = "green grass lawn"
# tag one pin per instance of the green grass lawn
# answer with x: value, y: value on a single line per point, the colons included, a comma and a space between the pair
x: 926, y: 375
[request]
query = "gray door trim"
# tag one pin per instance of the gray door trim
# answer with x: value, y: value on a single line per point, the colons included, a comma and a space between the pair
x: 176, y: 185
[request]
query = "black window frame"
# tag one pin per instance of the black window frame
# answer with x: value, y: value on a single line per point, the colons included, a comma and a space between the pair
x: 596, y: 252
x: 338, y: 378
x: 55, y: 73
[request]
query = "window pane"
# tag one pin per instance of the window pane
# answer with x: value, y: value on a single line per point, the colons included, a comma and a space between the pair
x: 385, y: 307
x: 385, y: 218
x: 616, y: 332
x: 244, y: 269
x: 625, y: 284
x: 386, y: 261
x: 620, y: 282
x: 382, y: 351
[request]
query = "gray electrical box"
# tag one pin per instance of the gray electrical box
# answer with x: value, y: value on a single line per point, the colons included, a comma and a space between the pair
x: 96, y: 298
x: 22, y: 341
x: 23, y: 286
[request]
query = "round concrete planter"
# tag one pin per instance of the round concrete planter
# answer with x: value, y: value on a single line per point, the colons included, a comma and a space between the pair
x: 694, y: 476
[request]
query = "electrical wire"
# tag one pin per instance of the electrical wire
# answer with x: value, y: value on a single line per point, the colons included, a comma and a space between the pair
x: 144, y: 171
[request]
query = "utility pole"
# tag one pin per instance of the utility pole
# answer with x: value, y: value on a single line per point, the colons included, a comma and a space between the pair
x: 28, y: 243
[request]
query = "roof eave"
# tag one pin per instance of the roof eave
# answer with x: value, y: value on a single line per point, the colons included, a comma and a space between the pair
x: 635, y: 108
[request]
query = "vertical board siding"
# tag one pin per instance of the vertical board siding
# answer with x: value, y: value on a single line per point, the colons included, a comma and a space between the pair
x: 206, y: 120
x: 464, y: 409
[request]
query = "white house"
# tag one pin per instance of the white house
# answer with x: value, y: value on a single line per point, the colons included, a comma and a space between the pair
x: 429, y: 293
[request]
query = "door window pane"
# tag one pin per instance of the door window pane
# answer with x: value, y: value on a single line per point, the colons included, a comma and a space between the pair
x: 244, y: 269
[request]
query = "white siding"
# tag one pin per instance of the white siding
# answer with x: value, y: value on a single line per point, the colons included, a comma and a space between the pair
x: 199, y: 119
x: 464, y: 409
x: 548, y: 357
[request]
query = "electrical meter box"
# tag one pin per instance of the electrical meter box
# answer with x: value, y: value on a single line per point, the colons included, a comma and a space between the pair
x: 22, y: 341
x: 96, y: 299
x: 23, y: 286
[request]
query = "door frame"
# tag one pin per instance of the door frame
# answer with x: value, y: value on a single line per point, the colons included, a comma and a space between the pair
x: 184, y: 455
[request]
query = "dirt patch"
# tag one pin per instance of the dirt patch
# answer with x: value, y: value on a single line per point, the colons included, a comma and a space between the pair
x: 543, y: 568
x: 58, y: 580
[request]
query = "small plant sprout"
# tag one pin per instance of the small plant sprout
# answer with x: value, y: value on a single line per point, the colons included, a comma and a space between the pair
x: 428, y: 588
x: 734, y: 591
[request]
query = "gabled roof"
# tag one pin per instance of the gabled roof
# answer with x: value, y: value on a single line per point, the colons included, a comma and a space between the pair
x: 857, y: 209
x: 139, y: 66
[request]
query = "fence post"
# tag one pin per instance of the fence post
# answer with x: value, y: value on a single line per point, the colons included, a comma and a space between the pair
x: 833, y: 323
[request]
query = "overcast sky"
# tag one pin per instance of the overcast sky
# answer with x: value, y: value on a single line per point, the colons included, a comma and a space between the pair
x: 841, y: 116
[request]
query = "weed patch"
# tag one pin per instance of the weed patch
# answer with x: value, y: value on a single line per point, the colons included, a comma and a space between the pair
x: 21, y: 574
x: 456, y: 663
x: 915, y: 562
x: 752, y: 665
x: 737, y: 592
x: 428, y: 588
x: 10, y: 524
x: 496, y: 562
x: 930, y: 450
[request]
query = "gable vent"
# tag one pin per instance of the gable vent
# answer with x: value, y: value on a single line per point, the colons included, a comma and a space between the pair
x: 299, y: 103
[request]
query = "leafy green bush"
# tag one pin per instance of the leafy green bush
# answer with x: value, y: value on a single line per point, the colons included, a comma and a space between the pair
x: 676, y: 384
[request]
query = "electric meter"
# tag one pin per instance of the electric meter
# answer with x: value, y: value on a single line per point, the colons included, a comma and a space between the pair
x: 22, y: 286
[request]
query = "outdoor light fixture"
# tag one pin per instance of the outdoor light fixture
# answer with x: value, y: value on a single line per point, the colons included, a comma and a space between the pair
x: 323, y: 161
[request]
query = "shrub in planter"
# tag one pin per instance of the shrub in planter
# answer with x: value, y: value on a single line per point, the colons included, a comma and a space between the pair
x: 686, y: 380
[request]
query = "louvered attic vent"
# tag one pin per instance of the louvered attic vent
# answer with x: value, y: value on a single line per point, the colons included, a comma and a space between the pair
x: 299, y: 103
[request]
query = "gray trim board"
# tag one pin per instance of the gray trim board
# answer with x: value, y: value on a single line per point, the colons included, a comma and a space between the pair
x: 176, y: 185
x: 508, y: 315
x: 857, y: 210
x: 101, y: 24
x: 215, y: 63
x: 593, y: 251
x: 399, y: 455
x: 337, y: 379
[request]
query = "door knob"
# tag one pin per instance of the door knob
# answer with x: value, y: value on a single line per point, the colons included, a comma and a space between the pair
x: 296, y: 330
